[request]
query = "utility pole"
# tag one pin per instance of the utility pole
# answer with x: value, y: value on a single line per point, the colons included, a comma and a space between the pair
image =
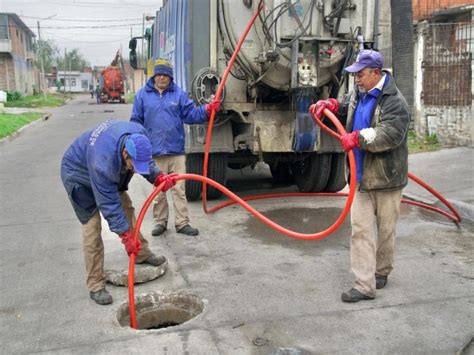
x: 42, y: 81
x: 64, y: 71
x: 42, y: 60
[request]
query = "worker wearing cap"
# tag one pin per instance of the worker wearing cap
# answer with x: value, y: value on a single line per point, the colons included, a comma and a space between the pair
x: 163, y: 108
x: 378, y: 118
x: 96, y: 170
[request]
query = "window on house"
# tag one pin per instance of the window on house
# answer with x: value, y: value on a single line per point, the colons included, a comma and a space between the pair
x: 73, y: 81
x: 21, y: 38
x: 17, y: 34
x: 85, y: 84
x: 3, y: 26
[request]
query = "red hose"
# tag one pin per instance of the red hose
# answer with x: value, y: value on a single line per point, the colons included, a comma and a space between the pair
x: 217, y: 98
x: 241, y: 201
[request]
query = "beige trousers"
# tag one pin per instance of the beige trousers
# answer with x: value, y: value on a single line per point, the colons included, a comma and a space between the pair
x: 373, y: 217
x: 94, y: 247
x: 172, y: 164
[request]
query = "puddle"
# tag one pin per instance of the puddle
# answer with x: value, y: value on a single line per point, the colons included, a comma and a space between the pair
x: 302, y: 220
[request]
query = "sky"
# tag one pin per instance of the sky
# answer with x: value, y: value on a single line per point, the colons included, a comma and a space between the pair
x: 97, y: 28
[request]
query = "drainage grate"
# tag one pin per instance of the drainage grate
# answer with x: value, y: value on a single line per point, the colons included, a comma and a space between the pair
x: 157, y: 310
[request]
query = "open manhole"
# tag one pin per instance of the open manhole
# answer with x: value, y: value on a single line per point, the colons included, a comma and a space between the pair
x: 156, y: 310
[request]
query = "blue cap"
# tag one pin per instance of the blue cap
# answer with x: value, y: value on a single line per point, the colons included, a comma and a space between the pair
x: 163, y: 67
x: 367, y: 58
x: 139, y: 149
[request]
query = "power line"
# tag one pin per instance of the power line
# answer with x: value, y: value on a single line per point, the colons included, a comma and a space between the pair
x: 80, y: 20
x: 78, y: 27
x: 99, y: 5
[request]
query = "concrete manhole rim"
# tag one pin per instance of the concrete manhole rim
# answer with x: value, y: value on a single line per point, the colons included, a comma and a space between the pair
x: 175, y: 308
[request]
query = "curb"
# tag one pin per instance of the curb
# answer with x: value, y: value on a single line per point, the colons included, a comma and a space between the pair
x: 465, y: 210
x: 18, y: 132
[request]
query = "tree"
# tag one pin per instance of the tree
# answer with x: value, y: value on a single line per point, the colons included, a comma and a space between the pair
x: 48, y: 52
x: 73, y: 61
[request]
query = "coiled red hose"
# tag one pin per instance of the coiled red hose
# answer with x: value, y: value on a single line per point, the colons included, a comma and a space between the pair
x: 241, y: 201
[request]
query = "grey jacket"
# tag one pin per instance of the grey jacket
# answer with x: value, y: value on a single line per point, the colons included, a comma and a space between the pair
x: 386, y: 153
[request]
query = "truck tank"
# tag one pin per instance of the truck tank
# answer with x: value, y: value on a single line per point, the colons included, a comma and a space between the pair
x: 293, y: 56
x: 112, y: 82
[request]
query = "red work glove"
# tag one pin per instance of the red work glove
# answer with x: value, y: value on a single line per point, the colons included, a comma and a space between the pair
x: 169, y: 180
x: 131, y: 246
x: 350, y: 140
x: 213, y: 105
x: 318, y: 108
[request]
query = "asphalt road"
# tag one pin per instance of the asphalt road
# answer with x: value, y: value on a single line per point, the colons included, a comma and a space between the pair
x: 262, y: 293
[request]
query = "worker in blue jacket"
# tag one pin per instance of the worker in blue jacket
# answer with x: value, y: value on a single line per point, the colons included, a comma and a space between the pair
x: 163, y: 108
x: 96, y: 170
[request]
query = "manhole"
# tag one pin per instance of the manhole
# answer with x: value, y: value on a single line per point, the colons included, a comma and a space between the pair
x: 157, y: 310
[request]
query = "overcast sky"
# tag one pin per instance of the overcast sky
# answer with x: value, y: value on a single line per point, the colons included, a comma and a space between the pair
x: 97, y: 28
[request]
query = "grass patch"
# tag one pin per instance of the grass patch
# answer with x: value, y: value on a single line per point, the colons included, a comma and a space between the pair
x: 40, y: 100
x: 419, y: 145
x: 130, y: 98
x: 10, y: 123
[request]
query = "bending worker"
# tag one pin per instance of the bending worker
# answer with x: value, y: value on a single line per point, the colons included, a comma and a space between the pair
x: 377, y: 119
x: 95, y: 171
x: 163, y: 108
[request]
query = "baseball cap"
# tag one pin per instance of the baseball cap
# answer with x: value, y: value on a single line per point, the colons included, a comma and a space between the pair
x: 163, y: 67
x: 139, y: 149
x: 367, y: 58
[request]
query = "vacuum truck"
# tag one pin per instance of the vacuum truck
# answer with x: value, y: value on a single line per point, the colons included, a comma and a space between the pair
x: 112, y: 82
x: 293, y: 56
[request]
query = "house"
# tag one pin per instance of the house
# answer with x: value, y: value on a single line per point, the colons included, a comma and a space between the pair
x: 17, y: 53
x: 74, y: 81
x: 444, y: 90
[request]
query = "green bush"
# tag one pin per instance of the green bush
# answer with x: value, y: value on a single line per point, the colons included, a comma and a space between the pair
x: 13, y: 95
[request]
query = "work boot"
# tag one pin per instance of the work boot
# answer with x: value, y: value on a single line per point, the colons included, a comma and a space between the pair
x: 188, y: 230
x: 101, y: 297
x: 354, y: 295
x: 153, y: 260
x: 158, y: 230
x: 380, y: 281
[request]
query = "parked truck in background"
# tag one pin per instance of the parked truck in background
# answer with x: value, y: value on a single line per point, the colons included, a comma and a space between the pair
x: 293, y: 56
x: 112, y: 82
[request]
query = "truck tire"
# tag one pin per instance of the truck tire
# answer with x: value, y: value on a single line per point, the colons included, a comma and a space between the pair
x: 281, y: 173
x: 337, y: 177
x: 312, y: 172
x: 217, y: 167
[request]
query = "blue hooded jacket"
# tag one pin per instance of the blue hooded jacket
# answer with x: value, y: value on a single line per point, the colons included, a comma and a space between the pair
x: 163, y: 116
x: 93, y: 172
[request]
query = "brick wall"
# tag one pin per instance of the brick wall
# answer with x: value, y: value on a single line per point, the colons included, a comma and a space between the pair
x: 17, y: 36
x: 422, y: 9
x: 7, y: 73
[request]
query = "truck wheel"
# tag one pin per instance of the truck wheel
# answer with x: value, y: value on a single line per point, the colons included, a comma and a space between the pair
x: 312, y: 172
x: 216, y: 171
x: 337, y: 178
x: 281, y: 173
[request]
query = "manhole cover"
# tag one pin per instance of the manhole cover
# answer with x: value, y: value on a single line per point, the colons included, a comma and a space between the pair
x: 142, y: 274
x: 157, y: 310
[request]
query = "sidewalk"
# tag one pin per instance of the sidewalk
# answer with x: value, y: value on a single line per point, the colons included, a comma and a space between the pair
x: 449, y: 171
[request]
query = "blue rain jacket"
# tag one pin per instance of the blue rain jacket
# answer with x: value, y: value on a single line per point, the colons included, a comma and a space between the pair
x: 94, y: 173
x: 163, y: 116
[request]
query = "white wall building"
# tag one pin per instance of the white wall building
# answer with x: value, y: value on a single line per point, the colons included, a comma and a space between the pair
x: 75, y: 81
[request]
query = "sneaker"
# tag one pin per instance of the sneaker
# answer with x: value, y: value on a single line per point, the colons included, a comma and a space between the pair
x: 101, y: 297
x: 153, y: 260
x: 354, y: 295
x: 380, y: 281
x: 188, y: 230
x: 158, y: 230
